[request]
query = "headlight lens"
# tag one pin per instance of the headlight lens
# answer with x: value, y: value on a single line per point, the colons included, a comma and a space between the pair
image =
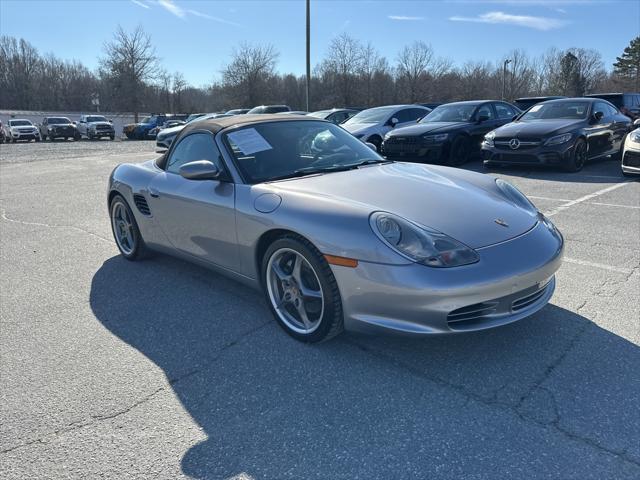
x: 419, y: 244
x: 516, y: 197
x: 558, y: 139
x: 441, y: 137
x: 635, y: 136
x: 488, y: 138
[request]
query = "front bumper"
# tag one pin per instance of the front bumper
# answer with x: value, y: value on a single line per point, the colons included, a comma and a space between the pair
x: 25, y: 136
x: 62, y: 132
x: 414, y: 148
x: 631, y: 158
x: 539, y: 155
x: 512, y: 280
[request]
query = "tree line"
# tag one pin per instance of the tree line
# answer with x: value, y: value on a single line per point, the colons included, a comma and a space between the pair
x: 131, y: 78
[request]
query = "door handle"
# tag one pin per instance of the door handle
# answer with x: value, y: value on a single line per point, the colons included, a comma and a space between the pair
x: 154, y: 193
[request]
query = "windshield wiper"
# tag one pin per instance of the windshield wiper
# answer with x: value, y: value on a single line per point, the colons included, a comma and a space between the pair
x: 301, y: 172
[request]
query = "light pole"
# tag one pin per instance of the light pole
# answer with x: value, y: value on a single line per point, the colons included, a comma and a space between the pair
x: 308, y: 82
x: 504, y: 75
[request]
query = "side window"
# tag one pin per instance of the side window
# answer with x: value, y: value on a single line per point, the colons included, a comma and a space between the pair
x: 601, y: 107
x: 197, y: 146
x: 409, y: 115
x: 485, y: 110
x: 504, y: 111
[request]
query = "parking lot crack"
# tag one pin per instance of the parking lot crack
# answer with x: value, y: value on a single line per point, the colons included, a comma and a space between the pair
x: 4, y: 216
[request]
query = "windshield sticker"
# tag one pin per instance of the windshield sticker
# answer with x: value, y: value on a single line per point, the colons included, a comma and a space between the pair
x: 249, y: 141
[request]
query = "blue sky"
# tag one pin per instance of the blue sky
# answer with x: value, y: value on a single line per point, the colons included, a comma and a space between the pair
x: 196, y: 37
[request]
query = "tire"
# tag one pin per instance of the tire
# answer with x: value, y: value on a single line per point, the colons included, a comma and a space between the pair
x: 377, y: 141
x: 13, y: 140
x: 459, y: 151
x: 37, y: 139
x: 111, y: 137
x: 578, y: 157
x: 283, y: 291
x: 134, y: 247
x: 44, y: 138
x: 89, y: 136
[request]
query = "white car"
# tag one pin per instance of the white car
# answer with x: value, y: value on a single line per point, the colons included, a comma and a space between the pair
x: 372, y: 125
x: 631, y: 154
x: 22, y: 129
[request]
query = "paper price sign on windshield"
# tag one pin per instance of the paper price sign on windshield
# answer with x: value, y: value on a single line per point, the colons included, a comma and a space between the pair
x: 249, y: 141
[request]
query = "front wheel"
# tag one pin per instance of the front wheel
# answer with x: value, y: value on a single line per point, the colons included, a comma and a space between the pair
x: 459, y: 152
x: 125, y: 229
x: 578, y: 157
x: 301, y: 290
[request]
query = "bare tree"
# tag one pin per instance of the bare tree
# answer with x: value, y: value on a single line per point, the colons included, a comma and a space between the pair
x: 372, y: 66
x: 341, y: 67
x: 248, y: 74
x: 130, y: 61
x: 417, y: 64
x: 179, y: 85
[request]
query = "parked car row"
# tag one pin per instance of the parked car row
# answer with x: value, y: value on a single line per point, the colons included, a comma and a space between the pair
x: 53, y: 128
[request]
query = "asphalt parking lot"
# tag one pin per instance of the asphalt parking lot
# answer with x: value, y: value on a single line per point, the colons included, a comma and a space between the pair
x: 161, y: 369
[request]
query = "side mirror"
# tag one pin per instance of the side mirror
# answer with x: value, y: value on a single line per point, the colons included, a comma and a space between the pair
x: 371, y: 146
x: 75, y: 123
x: 393, y: 121
x: 598, y: 116
x: 483, y: 118
x: 199, y: 170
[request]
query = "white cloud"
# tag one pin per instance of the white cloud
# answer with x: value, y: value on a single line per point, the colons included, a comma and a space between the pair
x: 538, y: 23
x: 196, y: 13
x: 404, y: 18
x: 172, y: 8
x: 140, y: 4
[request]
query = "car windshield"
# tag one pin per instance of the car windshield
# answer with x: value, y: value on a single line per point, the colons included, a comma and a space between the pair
x: 455, y: 112
x: 555, y: 110
x: 371, y: 115
x: 58, y: 120
x: 96, y: 118
x: 286, y: 149
x: 20, y: 123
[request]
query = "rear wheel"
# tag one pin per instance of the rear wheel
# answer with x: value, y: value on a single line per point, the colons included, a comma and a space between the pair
x: 459, y: 152
x: 125, y: 229
x: 578, y: 157
x: 301, y: 290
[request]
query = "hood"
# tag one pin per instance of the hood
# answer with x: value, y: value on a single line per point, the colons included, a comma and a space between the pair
x: 459, y: 203
x: 537, y: 128
x: 427, y: 127
x: 101, y: 124
x: 167, y: 132
x: 357, y: 128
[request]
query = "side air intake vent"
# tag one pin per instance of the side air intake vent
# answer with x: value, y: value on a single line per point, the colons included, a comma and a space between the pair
x: 142, y: 204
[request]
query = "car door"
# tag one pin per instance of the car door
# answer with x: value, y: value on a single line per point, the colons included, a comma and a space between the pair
x: 600, y: 132
x: 197, y: 216
x: 504, y: 112
x: 478, y: 130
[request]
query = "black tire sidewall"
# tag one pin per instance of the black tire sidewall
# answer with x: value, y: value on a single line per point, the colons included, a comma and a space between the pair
x: 571, y: 164
x: 137, y: 251
x: 454, y: 160
x: 333, y: 304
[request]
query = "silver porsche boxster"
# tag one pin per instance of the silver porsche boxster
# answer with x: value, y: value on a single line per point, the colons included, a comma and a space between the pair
x: 336, y: 236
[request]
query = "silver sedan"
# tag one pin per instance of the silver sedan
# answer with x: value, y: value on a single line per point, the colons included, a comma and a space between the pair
x: 333, y: 234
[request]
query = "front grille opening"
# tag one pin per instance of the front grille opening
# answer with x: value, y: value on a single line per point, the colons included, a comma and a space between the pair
x: 142, y: 204
x: 530, y: 299
x: 477, y: 311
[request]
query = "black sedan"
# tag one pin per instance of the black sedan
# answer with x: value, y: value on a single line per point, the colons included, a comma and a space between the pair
x: 449, y: 134
x: 565, y: 133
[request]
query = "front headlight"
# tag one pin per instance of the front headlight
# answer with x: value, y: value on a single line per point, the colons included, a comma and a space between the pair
x: 558, y: 139
x: 488, y: 139
x: 516, y: 197
x: 419, y: 244
x: 635, y: 136
x: 440, y: 137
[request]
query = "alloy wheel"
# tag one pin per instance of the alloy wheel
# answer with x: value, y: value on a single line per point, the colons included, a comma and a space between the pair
x: 123, y: 227
x: 295, y: 291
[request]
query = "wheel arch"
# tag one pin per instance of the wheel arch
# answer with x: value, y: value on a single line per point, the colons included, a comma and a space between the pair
x: 266, y: 239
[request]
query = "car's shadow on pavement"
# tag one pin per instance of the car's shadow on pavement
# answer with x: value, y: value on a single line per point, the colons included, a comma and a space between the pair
x: 551, y: 394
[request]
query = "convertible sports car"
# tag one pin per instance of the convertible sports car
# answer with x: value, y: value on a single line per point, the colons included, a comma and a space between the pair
x: 333, y: 234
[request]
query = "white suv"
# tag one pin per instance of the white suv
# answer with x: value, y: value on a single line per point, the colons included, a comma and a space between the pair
x: 372, y: 125
x: 22, y: 129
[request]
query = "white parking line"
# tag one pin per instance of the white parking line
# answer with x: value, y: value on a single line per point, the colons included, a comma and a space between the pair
x: 585, y: 198
x: 614, y: 205
x: 611, y: 268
